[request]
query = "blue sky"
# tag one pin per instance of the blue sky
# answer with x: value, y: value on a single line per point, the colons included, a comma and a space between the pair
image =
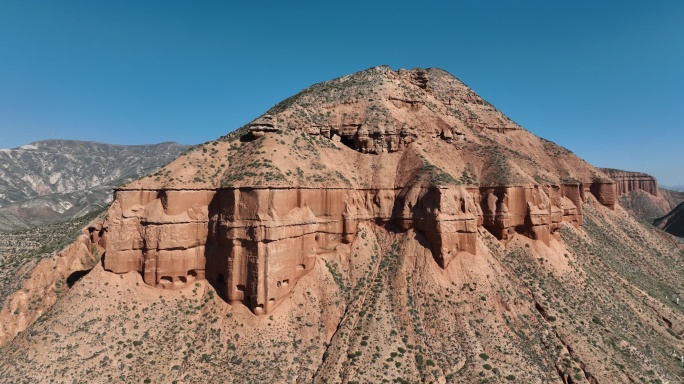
x: 604, y: 79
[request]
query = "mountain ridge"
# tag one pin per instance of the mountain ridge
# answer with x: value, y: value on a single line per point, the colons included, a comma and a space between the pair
x: 53, y: 180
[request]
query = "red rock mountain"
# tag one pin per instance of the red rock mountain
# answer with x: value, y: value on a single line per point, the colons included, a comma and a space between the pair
x: 386, y: 226
x: 408, y: 149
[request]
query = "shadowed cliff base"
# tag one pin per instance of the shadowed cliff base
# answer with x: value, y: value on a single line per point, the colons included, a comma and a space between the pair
x: 673, y: 222
x: 74, y: 277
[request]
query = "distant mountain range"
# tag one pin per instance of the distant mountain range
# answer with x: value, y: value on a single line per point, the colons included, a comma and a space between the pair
x: 57, y: 179
x: 676, y: 188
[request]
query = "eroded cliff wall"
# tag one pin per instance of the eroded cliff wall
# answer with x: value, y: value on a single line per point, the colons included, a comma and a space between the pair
x: 255, y: 244
x: 626, y: 181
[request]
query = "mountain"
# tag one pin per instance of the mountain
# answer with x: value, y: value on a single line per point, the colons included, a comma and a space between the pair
x: 53, y: 180
x: 384, y: 226
x: 676, y: 188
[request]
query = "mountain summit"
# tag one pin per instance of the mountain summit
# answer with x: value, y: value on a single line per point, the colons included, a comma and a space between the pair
x: 386, y: 226
x: 410, y: 149
x: 409, y: 119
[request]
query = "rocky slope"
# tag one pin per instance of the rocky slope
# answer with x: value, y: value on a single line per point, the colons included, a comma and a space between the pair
x: 37, y: 265
x: 387, y: 225
x: 54, y: 180
x: 673, y: 222
x: 598, y: 306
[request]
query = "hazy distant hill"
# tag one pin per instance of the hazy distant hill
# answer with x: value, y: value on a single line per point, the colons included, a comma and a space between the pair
x: 56, y: 179
x: 677, y: 188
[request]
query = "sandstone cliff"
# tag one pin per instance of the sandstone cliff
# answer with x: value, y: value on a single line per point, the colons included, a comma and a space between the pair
x: 626, y: 181
x: 639, y: 193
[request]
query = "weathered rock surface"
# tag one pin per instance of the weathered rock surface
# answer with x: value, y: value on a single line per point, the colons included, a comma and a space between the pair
x: 407, y: 149
x: 638, y: 193
x: 259, y: 242
x: 626, y: 181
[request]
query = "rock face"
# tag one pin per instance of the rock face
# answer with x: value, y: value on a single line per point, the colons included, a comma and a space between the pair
x: 626, y: 181
x: 408, y: 150
x: 257, y: 243
x: 639, y: 194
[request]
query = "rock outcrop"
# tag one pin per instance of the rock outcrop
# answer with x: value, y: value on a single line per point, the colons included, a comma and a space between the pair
x: 262, y: 125
x: 639, y: 194
x: 407, y: 150
x: 626, y: 181
x: 255, y: 244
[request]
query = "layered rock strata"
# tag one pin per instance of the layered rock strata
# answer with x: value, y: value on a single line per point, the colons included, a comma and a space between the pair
x: 255, y: 244
x: 626, y: 181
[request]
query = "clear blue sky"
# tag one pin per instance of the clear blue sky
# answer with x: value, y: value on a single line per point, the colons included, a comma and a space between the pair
x: 603, y: 78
